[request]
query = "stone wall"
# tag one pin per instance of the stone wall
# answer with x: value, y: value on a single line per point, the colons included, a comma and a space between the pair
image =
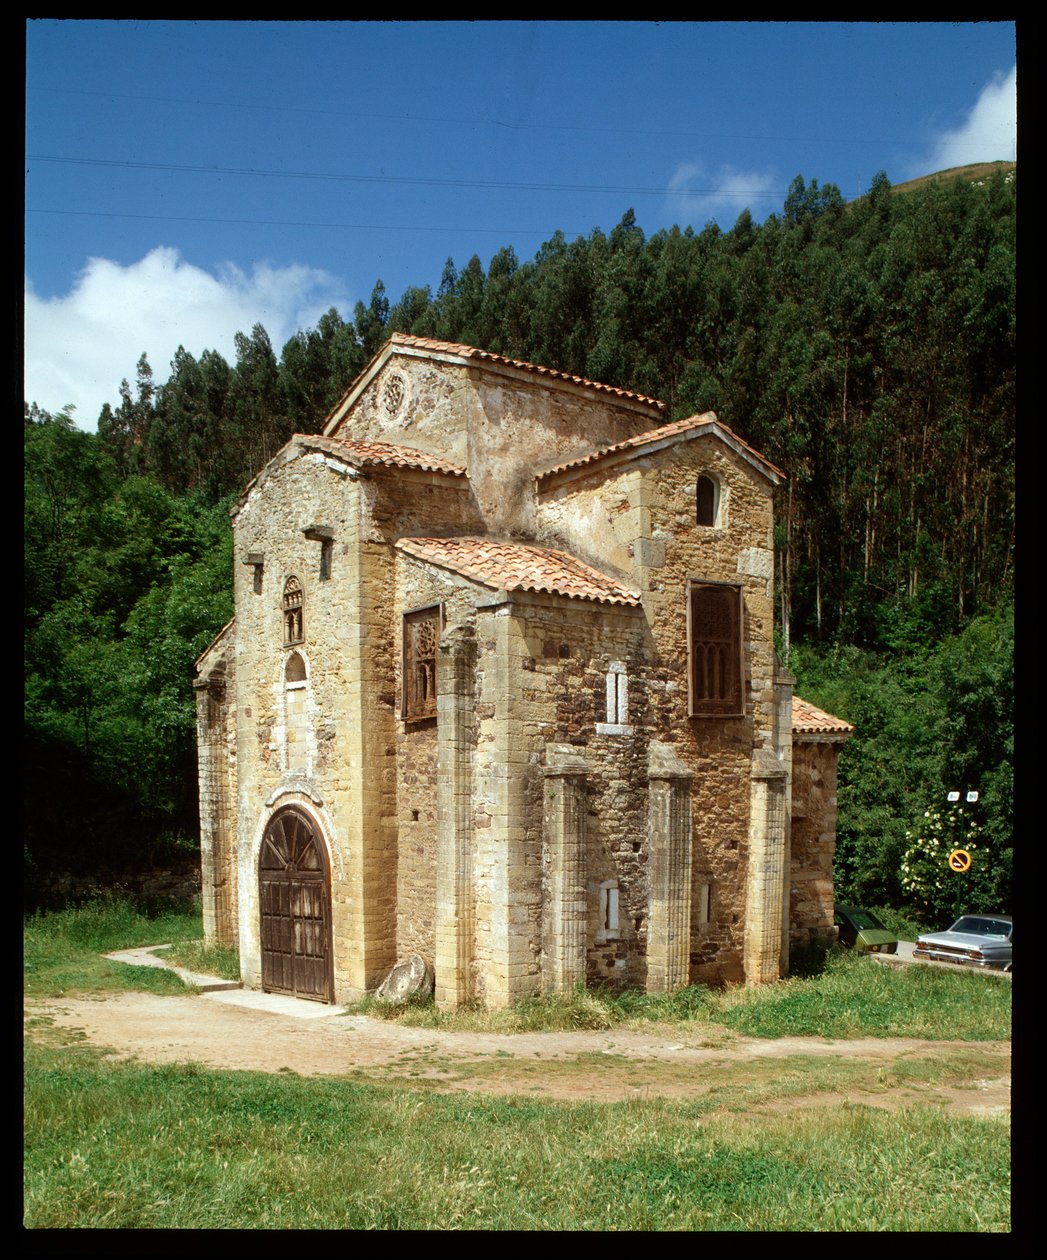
x: 637, y: 519
x: 497, y: 421
x: 569, y: 647
x: 416, y: 755
x: 331, y: 778
x: 217, y: 765
x: 564, y: 814
x: 813, y: 840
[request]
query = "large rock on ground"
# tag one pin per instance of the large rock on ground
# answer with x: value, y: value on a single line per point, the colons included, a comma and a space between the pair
x: 411, y: 977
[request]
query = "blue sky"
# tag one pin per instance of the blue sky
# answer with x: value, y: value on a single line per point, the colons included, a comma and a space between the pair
x: 185, y: 180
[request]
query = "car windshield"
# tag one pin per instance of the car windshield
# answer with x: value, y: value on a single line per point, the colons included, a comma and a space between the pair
x: 974, y: 925
x: 863, y: 919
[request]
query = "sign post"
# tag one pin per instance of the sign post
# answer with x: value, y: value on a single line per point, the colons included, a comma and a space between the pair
x: 959, y: 859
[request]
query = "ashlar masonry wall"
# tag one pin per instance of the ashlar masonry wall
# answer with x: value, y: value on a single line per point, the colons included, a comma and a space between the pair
x: 215, y: 689
x: 330, y: 779
x: 420, y: 586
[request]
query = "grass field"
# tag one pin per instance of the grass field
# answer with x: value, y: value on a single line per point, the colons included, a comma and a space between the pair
x: 118, y: 1146
x: 126, y: 1145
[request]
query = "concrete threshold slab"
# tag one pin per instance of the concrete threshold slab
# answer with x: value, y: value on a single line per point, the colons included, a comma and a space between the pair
x: 277, y: 1003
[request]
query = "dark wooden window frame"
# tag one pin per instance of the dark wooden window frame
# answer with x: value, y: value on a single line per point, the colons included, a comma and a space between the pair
x: 418, y: 674
x: 728, y: 651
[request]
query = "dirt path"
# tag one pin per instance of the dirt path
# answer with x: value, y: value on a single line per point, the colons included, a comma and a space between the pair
x: 217, y: 1030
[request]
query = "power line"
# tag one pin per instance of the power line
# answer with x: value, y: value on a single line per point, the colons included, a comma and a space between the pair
x: 356, y: 227
x: 508, y: 185
x: 849, y: 140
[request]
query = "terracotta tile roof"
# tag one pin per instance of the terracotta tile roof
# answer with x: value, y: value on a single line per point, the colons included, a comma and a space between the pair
x: 488, y: 356
x: 520, y: 567
x: 360, y: 453
x: 708, y: 422
x: 810, y: 720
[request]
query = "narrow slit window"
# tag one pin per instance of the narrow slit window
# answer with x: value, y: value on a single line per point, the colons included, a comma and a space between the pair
x: 708, y: 500
x: 617, y: 702
x: 296, y: 722
x: 610, y: 918
x: 610, y: 923
x: 617, y: 694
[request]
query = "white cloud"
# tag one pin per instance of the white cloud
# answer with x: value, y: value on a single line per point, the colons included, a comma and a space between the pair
x: 988, y: 134
x: 79, y: 346
x: 699, y: 195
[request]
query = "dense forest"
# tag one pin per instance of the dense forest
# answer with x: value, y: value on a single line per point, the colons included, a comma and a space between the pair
x: 867, y: 349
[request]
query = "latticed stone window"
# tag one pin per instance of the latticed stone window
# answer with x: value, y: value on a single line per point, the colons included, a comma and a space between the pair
x: 714, y: 632
x: 421, y: 635
x: 294, y: 631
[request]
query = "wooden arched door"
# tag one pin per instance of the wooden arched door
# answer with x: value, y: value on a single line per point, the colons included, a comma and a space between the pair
x: 295, y: 898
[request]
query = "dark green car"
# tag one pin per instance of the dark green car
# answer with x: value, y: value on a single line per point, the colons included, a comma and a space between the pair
x: 862, y: 930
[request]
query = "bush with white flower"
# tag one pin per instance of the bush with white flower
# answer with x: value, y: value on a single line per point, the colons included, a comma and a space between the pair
x: 929, y: 884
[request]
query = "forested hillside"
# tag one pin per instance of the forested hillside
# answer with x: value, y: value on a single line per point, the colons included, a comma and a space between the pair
x: 867, y: 349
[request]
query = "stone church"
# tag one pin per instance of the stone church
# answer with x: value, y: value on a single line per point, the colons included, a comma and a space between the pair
x: 501, y: 691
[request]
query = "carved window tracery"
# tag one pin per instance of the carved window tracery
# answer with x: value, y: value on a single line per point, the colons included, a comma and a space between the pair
x: 714, y: 631
x: 421, y: 636
x: 294, y: 629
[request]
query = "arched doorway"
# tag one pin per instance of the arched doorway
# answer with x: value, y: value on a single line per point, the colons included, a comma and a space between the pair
x: 295, y: 898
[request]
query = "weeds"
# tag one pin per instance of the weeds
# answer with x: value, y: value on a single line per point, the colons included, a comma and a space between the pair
x: 850, y: 996
x: 209, y: 959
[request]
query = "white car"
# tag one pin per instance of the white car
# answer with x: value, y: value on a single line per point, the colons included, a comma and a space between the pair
x: 974, y: 940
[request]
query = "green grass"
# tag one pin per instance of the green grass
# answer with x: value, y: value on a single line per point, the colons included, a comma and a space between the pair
x: 113, y: 1145
x: 125, y: 1145
x: 851, y: 997
x: 207, y: 959
x: 62, y: 950
x: 859, y: 997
